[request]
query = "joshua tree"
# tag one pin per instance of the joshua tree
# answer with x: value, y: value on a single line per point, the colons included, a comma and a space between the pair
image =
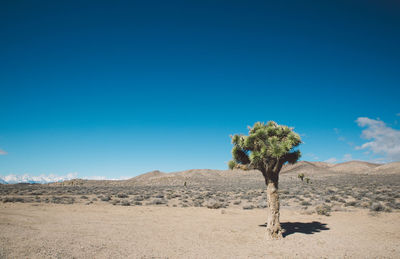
x: 267, y: 148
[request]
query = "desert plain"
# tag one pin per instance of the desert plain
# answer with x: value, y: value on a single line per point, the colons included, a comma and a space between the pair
x: 347, y: 210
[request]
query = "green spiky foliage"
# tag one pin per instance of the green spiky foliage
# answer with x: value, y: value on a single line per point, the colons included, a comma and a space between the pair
x: 267, y: 148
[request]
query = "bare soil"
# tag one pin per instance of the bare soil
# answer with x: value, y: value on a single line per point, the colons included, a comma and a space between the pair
x: 107, y: 231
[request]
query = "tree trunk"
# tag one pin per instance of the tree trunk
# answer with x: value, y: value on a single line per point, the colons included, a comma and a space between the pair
x: 274, y: 230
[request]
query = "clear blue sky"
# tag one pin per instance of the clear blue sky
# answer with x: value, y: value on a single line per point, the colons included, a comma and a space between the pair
x: 118, y: 88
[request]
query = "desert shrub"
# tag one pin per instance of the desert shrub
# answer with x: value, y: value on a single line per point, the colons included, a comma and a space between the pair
x: 248, y: 207
x: 393, y: 205
x: 197, y: 204
x: 358, y: 197
x: 122, y: 195
x: 237, y: 202
x: 199, y: 197
x: 245, y: 197
x: 13, y: 199
x: 305, y: 203
x: 351, y: 203
x: 323, y: 209
x: 330, y: 191
x: 28, y: 199
x: 380, y: 198
x: 262, y: 204
x: 68, y: 200
x: 62, y: 200
x: 365, y: 204
x: 125, y: 203
x: 138, y: 198
x: 158, y: 201
x: 37, y: 192
x: 84, y: 197
x: 334, y: 198
x: 105, y: 198
x: 115, y: 202
x: 213, y: 204
x: 376, y: 206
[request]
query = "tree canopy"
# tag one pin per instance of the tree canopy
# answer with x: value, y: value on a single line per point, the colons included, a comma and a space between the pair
x: 267, y: 146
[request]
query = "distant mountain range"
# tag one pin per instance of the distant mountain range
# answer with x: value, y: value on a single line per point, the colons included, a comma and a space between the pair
x: 43, y: 179
x: 22, y: 180
x: 200, y: 176
x: 314, y: 170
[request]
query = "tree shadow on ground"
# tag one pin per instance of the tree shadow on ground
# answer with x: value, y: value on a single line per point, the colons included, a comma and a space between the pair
x: 301, y: 227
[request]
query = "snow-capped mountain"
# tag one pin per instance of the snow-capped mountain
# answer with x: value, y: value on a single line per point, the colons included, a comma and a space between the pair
x: 12, y: 178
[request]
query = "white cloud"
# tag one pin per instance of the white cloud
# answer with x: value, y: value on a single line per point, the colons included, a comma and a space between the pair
x: 342, y: 138
x: 2, y: 152
x: 378, y: 160
x: 312, y: 156
x: 26, y: 178
x: 95, y: 177
x: 384, y: 140
x: 331, y: 160
x: 347, y: 157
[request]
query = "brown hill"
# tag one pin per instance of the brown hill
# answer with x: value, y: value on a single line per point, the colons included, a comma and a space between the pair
x: 147, y: 176
x: 193, y: 176
x: 306, y: 168
x: 353, y: 167
x: 390, y: 168
x: 313, y: 169
x: 226, y: 177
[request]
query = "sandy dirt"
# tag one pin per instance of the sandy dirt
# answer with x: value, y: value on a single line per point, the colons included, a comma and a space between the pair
x: 107, y: 231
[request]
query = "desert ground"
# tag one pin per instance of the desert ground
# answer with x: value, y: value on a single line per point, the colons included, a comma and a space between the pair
x: 348, y: 210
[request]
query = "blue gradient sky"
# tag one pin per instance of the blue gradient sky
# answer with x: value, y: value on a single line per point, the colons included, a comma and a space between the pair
x: 118, y: 88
